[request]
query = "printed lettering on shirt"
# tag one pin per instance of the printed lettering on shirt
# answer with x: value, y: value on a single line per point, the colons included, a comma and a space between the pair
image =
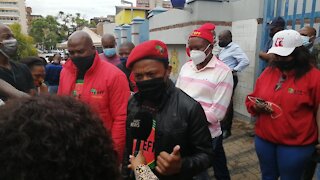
x: 148, y: 147
x: 294, y: 91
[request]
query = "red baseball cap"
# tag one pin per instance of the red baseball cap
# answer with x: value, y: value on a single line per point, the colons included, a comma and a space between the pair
x: 204, y: 32
x: 153, y: 49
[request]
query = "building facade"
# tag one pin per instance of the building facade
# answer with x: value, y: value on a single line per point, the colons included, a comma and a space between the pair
x: 14, y: 11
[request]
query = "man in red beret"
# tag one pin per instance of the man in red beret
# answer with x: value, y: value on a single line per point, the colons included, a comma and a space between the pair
x: 209, y: 81
x: 179, y: 145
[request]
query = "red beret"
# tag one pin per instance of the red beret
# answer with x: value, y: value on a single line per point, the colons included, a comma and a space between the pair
x: 152, y: 49
x: 204, y: 32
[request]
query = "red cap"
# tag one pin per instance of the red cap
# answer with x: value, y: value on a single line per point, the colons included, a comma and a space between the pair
x: 152, y: 49
x: 208, y: 26
x: 204, y: 32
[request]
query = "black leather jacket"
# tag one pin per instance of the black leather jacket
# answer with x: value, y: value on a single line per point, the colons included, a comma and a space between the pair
x: 180, y: 120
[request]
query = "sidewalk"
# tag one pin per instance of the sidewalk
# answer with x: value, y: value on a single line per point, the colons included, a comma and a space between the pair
x: 241, y: 156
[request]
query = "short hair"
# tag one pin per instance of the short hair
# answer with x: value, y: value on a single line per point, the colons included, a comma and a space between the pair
x: 32, y: 61
x: 54, y: 138
x: 128, y: 44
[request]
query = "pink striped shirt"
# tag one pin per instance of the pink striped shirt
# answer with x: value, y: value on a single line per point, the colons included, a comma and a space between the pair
x: 211, y: 87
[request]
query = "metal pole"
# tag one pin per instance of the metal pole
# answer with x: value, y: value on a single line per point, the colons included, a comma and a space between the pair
x: 131, y: 11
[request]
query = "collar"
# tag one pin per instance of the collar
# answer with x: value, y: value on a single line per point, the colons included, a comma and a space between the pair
x: 229, y: 45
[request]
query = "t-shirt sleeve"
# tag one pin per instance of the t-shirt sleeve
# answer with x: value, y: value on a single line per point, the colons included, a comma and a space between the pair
x: 29, y: 80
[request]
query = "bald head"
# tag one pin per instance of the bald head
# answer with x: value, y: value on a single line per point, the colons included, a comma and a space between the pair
x: 125, y: 49
x: 108, y: 41
x: 310, y: 32
x: 80, y: 37
x: 225, y: 38
x: 6, y: 34
x: 80, y: 45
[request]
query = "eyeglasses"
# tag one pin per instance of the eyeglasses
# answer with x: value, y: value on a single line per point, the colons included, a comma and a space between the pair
x: 280, y: 82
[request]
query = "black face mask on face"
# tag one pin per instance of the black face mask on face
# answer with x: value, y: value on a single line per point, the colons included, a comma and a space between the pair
x: 83, y: 64
x: 223, y: 44
x: 152, y: 90
x: 285, y: 65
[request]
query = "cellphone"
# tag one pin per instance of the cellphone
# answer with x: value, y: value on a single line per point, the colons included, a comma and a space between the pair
x: 260, y: 101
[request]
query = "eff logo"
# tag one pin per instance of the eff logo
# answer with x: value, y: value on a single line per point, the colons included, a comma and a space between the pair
x: 279, y: 42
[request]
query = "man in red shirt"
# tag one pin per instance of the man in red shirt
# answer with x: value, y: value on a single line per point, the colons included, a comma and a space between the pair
x: 100, y: 84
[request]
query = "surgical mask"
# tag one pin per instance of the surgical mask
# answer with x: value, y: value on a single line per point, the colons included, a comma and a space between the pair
x: 109, y: 52
x: 152, y: 90
x: 9, y: 47
x: 123, y: 59
x: 305, y: 41
x: 83, y: 64
x: 198, y: 56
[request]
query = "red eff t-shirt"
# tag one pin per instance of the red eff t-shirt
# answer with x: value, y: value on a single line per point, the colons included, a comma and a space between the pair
x: 299, y: 100
x: 148, y: 147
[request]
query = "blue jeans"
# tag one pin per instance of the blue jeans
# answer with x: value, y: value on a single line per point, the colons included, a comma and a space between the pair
x: 219, y: 163
x: 286, y: 162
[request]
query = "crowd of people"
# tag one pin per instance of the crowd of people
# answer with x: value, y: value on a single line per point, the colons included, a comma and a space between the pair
x: 118, y: 115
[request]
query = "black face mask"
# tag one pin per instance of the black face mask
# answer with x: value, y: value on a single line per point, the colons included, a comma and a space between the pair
x: 152, y: 90
x: 285, y: 65
x: 83, y: 64
x: 223, y: 44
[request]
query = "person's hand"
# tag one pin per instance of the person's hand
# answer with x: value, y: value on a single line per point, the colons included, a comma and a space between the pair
x: 169, y: 164
x: 263, y: 108
x: 136, y: 161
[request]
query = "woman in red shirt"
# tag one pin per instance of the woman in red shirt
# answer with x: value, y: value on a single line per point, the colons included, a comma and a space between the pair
x: 285, y: 102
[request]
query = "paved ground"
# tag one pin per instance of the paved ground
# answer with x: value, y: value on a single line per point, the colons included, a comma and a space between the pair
x: 241, y: 156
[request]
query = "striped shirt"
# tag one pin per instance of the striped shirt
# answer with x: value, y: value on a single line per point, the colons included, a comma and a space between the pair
x: 211, y: 86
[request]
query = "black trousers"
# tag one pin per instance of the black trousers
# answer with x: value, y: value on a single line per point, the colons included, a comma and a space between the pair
x: 226, y: 123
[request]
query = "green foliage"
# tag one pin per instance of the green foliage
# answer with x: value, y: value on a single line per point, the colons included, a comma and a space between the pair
x: 26, y: 46
x: 46, y: 32
x: 49, y: 31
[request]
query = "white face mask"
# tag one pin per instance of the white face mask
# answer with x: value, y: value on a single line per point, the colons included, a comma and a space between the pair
x: 306, y: 40
x: 198, y: 56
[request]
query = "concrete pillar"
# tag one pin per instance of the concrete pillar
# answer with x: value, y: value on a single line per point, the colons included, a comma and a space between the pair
x: 117, y: 32
x: 135, y: 30
x: 124, y: 33
x: 156, y: 11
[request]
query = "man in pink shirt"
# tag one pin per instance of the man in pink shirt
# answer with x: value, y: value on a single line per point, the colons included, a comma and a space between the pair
x: 109, y: 49
x: 209, y: 81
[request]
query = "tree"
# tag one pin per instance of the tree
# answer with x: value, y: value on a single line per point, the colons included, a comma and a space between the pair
x: 26, y: 46
x: 47, y: 32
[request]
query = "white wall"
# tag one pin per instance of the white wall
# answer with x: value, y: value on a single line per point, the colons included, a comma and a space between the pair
x: 171, y: 17
x: 245, y: 35
x: 109, y: 28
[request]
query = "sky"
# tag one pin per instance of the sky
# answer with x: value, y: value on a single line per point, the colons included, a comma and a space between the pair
x: 87, y: 8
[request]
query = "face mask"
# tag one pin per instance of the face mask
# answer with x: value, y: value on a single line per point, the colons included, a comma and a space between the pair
x: 123, y: 59
x: 83, y: 64
x: 198, y: 56
x: 284, y: 65
x: 109, y: 52
x: 306, y: 41
x: 223, y: 44
x: 152, y: 90
x: 9, y: 47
